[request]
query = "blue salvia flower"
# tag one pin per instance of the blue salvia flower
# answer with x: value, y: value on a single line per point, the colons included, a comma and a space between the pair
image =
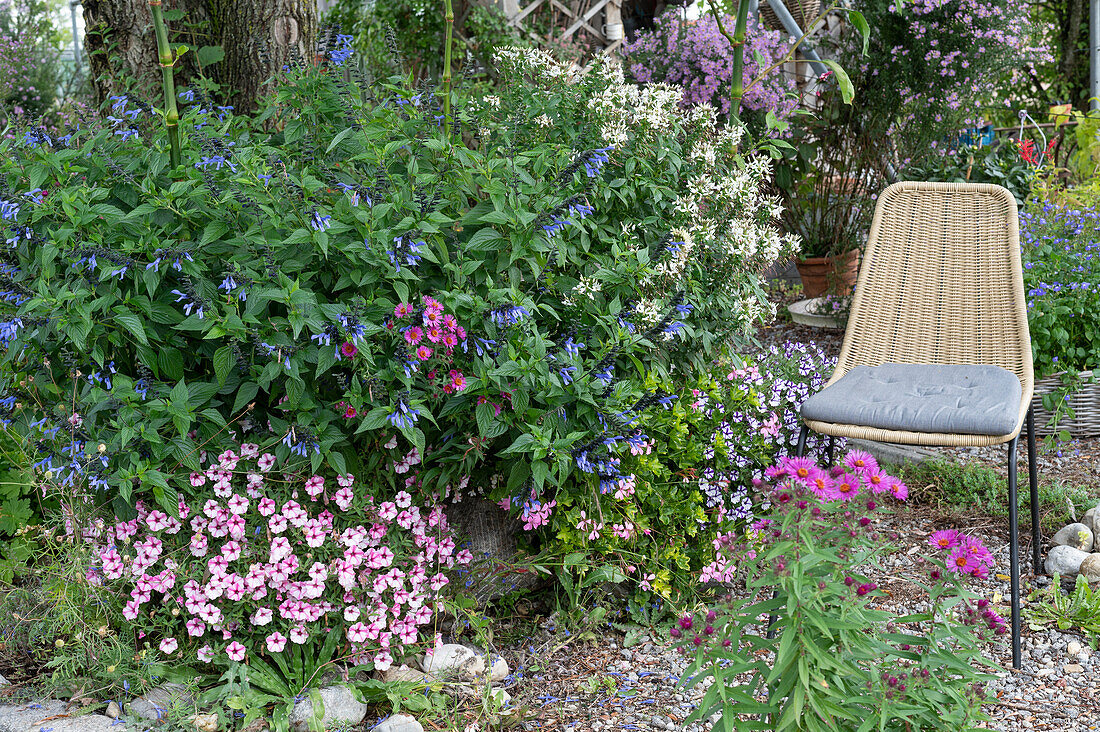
x: 119, y: 102
x: 684, y: 308
x: 319, y: 222
x: 218, y: 161
x: 508, y: 315
x: 595, y: 161
x: 403, y: 416
x: 340, y: 55
x: 572, y: 348
x: 187, y: 95
x: 8, y: 210
x: 121, y: 272
x: 566, y: 373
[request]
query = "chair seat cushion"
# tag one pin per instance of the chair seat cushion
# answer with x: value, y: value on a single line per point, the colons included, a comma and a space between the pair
x: 944, y: 399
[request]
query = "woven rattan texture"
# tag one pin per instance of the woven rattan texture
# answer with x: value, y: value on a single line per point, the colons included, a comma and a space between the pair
x: 1084, y: 402
x: 940, y: 283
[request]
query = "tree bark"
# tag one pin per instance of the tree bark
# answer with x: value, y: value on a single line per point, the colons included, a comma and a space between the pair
x: 258, y: 37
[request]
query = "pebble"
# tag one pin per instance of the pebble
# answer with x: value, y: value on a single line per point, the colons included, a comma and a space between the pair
x: 398, y: 723
x: 453, y: 658
x: 1074, y: 648
x: 113, y: 710
x: 155, y: 704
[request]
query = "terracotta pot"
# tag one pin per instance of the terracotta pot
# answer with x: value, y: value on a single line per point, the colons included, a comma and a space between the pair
x: 832, y: 275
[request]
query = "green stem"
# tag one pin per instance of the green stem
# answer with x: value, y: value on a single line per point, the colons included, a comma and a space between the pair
x: 167, y: 61
x: 737, y: 43
x: 449, y: 18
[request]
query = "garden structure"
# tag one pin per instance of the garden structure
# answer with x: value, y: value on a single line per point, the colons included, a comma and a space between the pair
x: 404, y: 365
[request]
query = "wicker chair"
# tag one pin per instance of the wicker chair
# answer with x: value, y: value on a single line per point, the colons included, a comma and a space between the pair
x: 941, y: 291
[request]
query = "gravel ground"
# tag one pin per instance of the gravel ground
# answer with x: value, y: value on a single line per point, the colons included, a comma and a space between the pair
x: 609, y: 685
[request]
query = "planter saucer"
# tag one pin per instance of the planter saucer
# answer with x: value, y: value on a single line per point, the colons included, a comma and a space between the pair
x: 802, y: 312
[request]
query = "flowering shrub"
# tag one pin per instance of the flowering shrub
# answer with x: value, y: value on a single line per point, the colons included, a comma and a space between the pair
x: 685, y: 475
x: 839, y: 662
x: 263, y: 564
x: 369, y: 288
x: 29, y: 58
x: 696, y: 56
x: 1060, y: 250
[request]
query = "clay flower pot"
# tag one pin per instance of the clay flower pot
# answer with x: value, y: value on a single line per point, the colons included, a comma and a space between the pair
x: 832, y: 275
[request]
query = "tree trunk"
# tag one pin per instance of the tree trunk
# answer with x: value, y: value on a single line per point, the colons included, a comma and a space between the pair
x: 258, y: 37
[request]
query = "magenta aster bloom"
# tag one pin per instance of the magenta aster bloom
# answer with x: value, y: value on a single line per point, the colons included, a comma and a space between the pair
x: 348, y: 349
x: 861, y: 462
x: 846, y: 486
x: 944, y: 539
x: 960, y: 561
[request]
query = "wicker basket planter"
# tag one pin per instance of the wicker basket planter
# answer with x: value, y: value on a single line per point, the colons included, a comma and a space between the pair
x: 803, y: 12
x: 1085, y: 403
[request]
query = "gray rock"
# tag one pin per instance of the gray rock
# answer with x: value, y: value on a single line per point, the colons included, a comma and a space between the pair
x: 405, y: 674
x: 1095, y: 520
x: 114, y: 711
x: 31, y: 718
x: 452, y: 658
x: 398, y: 723
x: 340, y: 705
x: 3, y: 681
x: 1089, y: 519
x: 1090, y: 568
x: 1064, y: 560
x: 22, y: 717
x: 155, y: 704
x: 1077, y: 536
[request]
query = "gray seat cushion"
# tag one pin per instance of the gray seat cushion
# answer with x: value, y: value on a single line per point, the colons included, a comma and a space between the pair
x: 963, y: 399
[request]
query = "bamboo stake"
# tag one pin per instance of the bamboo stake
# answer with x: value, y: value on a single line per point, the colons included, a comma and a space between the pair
x: 450, y: 22
x: 167, y: 62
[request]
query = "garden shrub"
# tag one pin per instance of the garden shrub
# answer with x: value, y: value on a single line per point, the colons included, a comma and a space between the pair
x: 696, y: 56
x: 369, y: 286
x: 839, y: 662
x: 1062, y: 285
x: 689, y: 472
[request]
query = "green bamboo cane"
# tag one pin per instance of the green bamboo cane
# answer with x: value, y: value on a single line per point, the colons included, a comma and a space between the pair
x: 449, y: 18
x: 737, y: 42
x: 167, y: 62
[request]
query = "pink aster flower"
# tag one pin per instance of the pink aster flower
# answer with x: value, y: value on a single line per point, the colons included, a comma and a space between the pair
x: 348, y: 349
x: 945, y: 539
x: 423, y: 353
x: 235, y: 651
x: 402, y: 310
x: 434, y: 333
x: 414, y: 335
x: 860, y: 462
x: 960, y: 561
x: 846, y: 486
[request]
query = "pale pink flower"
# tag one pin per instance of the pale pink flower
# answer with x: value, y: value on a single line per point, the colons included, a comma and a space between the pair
x: 276, y: 642
x: 235, y: 651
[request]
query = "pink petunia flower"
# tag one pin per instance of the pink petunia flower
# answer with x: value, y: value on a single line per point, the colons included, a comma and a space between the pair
x: 276, y: 642
x: 168, y: 646
x: 235, y: 651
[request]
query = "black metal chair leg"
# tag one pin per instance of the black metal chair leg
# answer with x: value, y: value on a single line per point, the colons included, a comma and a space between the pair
x: 801, y: 449
x: 1033, y: 481
x: 1014, y: 552
x: 829, y: 451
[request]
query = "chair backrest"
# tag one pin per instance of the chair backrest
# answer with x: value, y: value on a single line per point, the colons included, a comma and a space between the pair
x: 941, y: 282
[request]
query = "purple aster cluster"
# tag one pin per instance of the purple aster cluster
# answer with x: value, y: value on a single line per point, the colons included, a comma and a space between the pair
x: 699, y: 58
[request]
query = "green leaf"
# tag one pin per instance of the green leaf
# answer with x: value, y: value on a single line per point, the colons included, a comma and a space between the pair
x: 860, y: 23
x: 339, y: 138
x: 223, y: 363
x: 847, y: 91
x: 131, y: 323
x: 210, y: 55
x: 245, y: 394
x: 521, y: 444
x: 170, y: 361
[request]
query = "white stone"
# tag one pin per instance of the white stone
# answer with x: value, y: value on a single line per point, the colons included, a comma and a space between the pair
x: 500, y: 696
x: 1089, y: 519
x: 1074, y: 648
x: 340, y: 706
x: 398, y: 723
x: 405, y: 674
x: 205, y: 722
x: 1078, y: 536
x: 1064, y: 560
x: 113, y: 710
x: 499, y: 670
x: 452, y: 658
